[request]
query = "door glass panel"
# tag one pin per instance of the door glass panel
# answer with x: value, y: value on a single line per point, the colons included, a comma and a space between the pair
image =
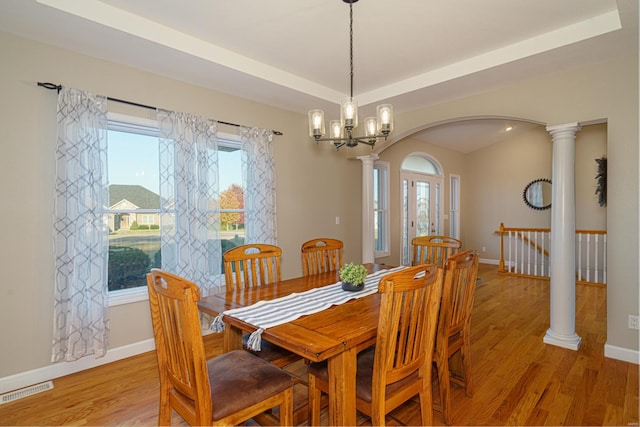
x: 435, y: 229
x: 423, y: 218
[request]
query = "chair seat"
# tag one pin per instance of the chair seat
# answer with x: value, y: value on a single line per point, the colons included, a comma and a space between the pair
x: 364, y: 376
x: 239, y: 380
x: 271, y: 352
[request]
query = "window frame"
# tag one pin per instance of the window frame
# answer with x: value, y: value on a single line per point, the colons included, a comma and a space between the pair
x: 144, y: 126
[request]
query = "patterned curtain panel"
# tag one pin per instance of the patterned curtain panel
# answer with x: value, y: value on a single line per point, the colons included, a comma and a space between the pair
x: 189, y: 196
x: 259, y: 173
x: 81, y: 238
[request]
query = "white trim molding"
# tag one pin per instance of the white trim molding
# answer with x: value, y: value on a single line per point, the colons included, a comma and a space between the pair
x: 621, y: 353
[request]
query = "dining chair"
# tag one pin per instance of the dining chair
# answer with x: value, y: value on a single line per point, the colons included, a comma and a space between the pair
x: 398, y: 367
x: 321, y: 255
x: 226, y: 390
x: 434, y: 249
x: 454, y: 326
x: 254, y: 265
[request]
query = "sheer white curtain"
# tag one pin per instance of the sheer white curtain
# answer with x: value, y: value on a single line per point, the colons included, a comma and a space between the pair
x: 81, y: 238
x: 259, y: 173
x: 189, y: 195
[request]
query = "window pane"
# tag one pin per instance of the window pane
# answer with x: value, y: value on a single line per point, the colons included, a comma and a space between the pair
x: 134, y: 203
x: 232, y: 229
x: 419, y: 164
x: 405, y: 222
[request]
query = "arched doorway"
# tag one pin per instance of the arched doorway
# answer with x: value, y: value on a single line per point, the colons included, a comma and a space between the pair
x: 421, y: 179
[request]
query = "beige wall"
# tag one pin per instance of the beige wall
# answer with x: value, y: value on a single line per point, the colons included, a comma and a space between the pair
x: 314, y: 185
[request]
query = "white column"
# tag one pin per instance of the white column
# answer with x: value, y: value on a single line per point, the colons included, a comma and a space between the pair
x: 367, y: 207
x: 562, y: 320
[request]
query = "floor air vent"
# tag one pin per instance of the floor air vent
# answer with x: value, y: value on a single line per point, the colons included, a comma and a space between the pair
x: 24, y: 392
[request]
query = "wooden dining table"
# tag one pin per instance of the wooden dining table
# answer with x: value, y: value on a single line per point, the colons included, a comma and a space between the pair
x: 335, y: 334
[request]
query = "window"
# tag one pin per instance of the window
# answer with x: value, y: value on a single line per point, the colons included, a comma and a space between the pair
x: 381, y: 208
x: 454, y: 206
x: 134, y: 217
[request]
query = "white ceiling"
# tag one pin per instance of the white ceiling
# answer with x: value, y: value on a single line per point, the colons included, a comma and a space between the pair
x: 294, y: 54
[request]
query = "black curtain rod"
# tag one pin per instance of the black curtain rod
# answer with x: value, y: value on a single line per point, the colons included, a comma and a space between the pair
x: 135, y: 104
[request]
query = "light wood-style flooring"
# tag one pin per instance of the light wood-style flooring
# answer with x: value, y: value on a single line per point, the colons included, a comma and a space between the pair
x: 519, y: 380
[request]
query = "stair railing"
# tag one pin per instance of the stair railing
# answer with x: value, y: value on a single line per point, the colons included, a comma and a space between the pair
x: 526, y: 252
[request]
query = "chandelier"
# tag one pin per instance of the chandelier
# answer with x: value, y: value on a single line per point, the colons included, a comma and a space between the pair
x: 341, y: 131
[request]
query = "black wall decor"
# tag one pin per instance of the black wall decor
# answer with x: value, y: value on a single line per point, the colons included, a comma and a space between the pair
x: 601, y: 181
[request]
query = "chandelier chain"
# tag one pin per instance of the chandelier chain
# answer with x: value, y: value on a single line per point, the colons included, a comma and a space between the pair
x: 351, y: 44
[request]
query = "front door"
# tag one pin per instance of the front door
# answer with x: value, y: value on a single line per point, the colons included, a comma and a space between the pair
x: 421, y: 195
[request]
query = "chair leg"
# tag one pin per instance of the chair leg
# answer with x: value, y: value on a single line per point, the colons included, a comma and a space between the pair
x: 377, y: 415
x: 445, y: 387
x: 466, y: 365
x: 426, y: 402
x: 164, y: 412
x: 314, y: 402
x: 286, y: 408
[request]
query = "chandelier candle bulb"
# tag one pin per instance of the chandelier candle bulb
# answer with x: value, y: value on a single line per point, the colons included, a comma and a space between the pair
x: 349, y: 112
x: 316, y: 122
x: 385, y: 117
x: 370, y: 126
x: 335, y: 129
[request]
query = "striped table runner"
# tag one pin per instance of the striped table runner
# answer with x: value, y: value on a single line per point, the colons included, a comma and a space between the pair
x: 270, y: 313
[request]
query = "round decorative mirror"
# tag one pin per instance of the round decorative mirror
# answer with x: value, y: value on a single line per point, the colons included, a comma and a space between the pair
x: 537, y: 194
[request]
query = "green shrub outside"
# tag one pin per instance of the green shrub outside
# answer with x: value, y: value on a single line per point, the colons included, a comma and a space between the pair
x: 134, y: 226
x: 127, y: 266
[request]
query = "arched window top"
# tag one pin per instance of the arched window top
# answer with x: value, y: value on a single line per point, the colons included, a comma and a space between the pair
x: 420, y: 164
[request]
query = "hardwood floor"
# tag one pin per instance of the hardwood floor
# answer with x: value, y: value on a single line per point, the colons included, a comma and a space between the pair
x: 519, y: 380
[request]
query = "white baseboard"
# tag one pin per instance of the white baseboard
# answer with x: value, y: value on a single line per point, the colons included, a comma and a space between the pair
x: 621, y: 353
x: 488, y: 261
x: 57, y: 370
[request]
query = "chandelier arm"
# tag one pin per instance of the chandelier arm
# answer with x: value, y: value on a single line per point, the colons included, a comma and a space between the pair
x: 359, y: 139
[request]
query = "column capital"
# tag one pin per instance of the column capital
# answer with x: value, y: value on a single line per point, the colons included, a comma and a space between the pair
x: 368, y: 158
x: 566, y: 127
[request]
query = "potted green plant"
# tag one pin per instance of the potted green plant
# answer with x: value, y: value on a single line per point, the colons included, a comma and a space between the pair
x: 352, y: 276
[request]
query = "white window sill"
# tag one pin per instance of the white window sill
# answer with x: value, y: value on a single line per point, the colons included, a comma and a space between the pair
x: 128, y: 296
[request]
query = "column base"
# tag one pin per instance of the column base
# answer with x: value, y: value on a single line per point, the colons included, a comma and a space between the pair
x: 572, y: 342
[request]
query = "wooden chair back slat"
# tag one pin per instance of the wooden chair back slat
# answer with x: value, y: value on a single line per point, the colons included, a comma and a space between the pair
x: 251, y: 265
x: 321, y: 255
x: 434, y: 249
